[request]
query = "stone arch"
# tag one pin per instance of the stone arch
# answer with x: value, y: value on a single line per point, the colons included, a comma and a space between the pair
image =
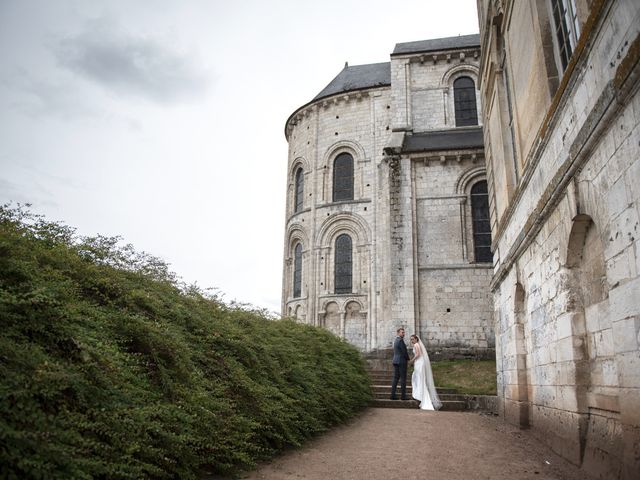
x: 344, y: 222
x: 330, y: 318
x: 355, y: 320
x: 468, y: 177
x: 462, y: 70
x: 354, y: 148
x: 465, y: 182
x: 359, y: 156
x: 521, y: 360
x: 354, y: 226
x: 349, y: 300
x: 596, y: 375
x: 299, y: 313
x: 584, y: 255
x: 296, y: 233
x: 446, y: 83
x: 327, y: 301
x: 299, y: 162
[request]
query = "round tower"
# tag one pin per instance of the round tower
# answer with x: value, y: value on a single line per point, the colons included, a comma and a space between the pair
x: 335, y: 142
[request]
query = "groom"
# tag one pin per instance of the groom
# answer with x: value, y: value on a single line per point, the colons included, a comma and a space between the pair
x: 400, y: 358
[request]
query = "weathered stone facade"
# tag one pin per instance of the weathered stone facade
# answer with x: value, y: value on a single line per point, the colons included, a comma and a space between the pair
x: 562, y: 142
x: 410, y: 216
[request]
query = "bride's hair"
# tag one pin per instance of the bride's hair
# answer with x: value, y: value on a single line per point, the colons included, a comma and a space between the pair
x: 415, y: 336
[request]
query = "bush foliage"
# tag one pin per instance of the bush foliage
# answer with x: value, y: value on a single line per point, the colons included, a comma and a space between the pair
x: 111, y: 368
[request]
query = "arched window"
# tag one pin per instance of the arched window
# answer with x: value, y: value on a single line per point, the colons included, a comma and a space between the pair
x: 481, y: 222
x: 343, y: 264
x: 297, y: 271
x: 464, y: 93
x: 343, y: 177
x: 299, y: 190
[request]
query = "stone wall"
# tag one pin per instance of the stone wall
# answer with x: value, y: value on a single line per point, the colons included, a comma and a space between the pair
x: 566, y: 246
x: 455, y: 312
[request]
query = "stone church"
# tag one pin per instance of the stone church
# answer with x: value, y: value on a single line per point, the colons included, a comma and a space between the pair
x: 387, y: 217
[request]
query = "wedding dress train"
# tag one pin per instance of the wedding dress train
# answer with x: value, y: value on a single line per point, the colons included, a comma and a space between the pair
x: 423, y: 388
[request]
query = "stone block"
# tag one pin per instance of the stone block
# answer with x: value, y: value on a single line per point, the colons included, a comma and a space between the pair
x: 631, y: 451
x: 567, y: 398
x: 628, y: 365
x: 623, y: 231
x: 592, y: 318
x: 629, y: 403
x: 602, y: 401
x: 617, y: 197
x: 626, y: 334
x: 564, y: 326
x: 603, y: 446
x: 570, y: 348
x: 624, y: 301
x: 609, y: 372
x: 604, y: 343
x: 566, y: 373
x: 632, y: 175
x: 559, y: 429
x: 544, y: 395
x: 516, y: 413
x: 620, y: 268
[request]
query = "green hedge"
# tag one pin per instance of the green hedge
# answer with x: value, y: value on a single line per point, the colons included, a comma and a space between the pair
x: 110, y: 368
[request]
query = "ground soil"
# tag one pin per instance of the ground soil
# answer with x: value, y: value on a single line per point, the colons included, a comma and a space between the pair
x: 409, y: 444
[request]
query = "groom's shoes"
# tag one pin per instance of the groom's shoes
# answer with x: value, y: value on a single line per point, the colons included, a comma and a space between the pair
x: 393, y: 398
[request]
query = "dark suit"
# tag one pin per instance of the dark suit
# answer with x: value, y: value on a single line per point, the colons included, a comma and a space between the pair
x: 400, y: 359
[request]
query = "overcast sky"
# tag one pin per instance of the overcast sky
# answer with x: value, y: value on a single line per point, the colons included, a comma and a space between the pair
x: 163, y: 121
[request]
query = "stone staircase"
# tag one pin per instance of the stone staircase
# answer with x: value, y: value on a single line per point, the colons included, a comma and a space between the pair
x: 451, y: 400
x: 381, y: 386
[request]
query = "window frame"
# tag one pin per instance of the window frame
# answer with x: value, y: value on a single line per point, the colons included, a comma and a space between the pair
x: 480, y: 227
x: 347, y: 179
x: 458, y: 101
x: 298, y: 195
x: 297, y: 271
x: 343, y: 269
x: 563, y: 15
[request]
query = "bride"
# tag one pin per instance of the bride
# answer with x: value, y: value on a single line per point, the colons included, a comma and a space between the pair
x: 423, y: 388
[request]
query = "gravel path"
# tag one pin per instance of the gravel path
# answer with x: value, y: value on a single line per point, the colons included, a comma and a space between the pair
x: 390, y: 444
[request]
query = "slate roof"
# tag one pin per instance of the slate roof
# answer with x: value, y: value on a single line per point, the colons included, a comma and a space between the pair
x: 437, y: 44
x: 458, y: 139
x: 358, y: 77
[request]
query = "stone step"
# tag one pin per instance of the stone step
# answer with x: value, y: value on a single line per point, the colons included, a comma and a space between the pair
x: 444, y: 396
x: 387, y: 403
x: 447, y: 405
x: 451, y: 399
x: 386, y: 388
x: 453, y: 406
x: 384, y: 378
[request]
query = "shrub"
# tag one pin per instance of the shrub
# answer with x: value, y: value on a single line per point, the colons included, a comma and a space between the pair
x: 111, y: 368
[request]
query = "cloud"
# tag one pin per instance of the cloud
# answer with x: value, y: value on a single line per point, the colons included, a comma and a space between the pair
x: 39, y: 95
x: 34, y: 194
x: 132, y: 65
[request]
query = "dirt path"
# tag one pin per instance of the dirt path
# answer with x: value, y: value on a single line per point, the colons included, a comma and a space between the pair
x: 390, y: 444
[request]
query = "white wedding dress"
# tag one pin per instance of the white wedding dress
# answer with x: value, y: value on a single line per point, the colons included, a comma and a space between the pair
x: 423, y: 388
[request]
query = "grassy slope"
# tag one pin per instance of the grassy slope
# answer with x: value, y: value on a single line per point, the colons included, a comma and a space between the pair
x: 110, y: 369
x: 475, y: 377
